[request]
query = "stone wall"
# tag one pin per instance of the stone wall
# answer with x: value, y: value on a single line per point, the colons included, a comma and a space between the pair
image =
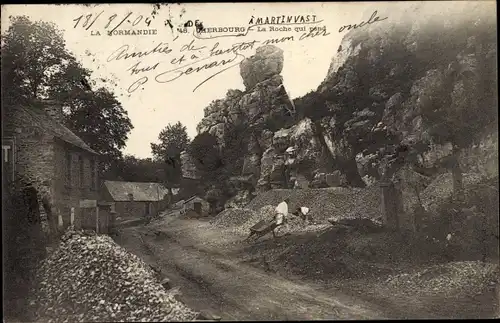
x: 133, y: 209
x: 33, y: 154
x: 68, y: 193
x: 40, y: 159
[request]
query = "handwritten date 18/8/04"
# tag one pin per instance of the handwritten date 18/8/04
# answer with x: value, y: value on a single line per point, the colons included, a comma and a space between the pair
x: 88, y: 20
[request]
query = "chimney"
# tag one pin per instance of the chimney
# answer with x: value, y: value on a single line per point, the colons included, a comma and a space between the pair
x: 53, y: 108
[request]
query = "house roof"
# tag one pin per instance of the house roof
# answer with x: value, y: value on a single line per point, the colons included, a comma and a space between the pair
x: 141, y: 191
x: 193, y: 198
x: 50, y: 125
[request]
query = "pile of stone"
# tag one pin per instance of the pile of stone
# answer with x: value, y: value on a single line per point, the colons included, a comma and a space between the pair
x: 265, y: 213
x: 441, y: 189
x: 297, y: 225
x: 368, y: 204
x: 450, y: 279
x: 325, y: 203
x: 232, y: 217
x: 90, y: 278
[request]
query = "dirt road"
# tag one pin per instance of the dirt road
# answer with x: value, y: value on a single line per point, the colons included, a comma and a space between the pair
x: 213, y: 281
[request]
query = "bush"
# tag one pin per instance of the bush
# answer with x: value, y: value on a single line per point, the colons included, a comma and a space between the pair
x: 473, y: 223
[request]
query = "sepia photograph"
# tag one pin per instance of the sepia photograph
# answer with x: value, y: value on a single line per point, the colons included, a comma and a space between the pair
x: 266, y: 161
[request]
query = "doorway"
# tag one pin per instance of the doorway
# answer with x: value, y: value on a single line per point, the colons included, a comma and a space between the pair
x: 197, y: 207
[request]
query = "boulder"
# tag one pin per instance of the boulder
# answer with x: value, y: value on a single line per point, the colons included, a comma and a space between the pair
x: 265, y: 102
x: 301, y: 182
x: 266, y: 138
x: 220, y: 112
x: 281, y: 140
x: 272, y: 170
x: 214, y: 114
x: 241, y: 199
x: 319, y: 181
x: 346, y: 49
x: 267, y: 61
x: 368, y: 165
x: 188, y: 166
x: 266, y: 167
x: 251, y: 165
x: 333, y: 179
x: 277, y: 174
x: 218, y: 131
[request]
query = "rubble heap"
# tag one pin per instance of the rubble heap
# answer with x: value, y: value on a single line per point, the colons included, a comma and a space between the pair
x: 90, y: 278
x: 325, y: 203
x: 232, y: 217
x: 455, y: 278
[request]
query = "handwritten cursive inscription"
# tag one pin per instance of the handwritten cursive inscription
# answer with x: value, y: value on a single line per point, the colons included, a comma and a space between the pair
x: 174, y: 74
x: 195, y: 57
x: 373, y: 19
x: 314, y: 32
x: 187, y: 69
x: 137, y: 68
x: 122, y: 52
x: 235, y: 48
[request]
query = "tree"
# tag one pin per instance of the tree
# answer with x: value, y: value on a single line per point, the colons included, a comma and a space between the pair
x: 173, y: 139
x: 100, y: 120
x: 132, y: 169
x: 31, y: 53
x: 37, y: 65
x: 205, y: 151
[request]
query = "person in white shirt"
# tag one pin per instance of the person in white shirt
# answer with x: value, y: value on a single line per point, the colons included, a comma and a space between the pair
x: 282, y: 213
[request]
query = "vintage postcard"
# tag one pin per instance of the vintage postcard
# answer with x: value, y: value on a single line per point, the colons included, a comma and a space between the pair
x: 250, y: 161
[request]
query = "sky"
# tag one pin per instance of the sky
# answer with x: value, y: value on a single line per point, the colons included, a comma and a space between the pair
x: 154, y: 105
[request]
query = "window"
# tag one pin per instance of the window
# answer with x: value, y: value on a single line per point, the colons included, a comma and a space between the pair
x: 82, y: 171
x: 68, y: 168
x: 93, y: 177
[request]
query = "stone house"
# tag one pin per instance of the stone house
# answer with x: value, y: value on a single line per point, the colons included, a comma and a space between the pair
x: 133, y: 200
x: 38, y: 149
x: 196, y: 204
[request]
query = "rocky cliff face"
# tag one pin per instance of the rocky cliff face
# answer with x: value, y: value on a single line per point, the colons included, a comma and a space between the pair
x: 399, y: 71
x: 380, y: 86
x: 276, y: 145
